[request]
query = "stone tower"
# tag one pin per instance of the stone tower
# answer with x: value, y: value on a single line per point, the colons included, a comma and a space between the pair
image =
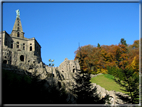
x: 17, y: 49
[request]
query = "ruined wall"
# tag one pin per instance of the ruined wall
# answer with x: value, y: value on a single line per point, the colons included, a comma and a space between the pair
x: 69, y: 66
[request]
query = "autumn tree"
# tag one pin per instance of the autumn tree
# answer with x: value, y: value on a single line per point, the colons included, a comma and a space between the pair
x: 135, y: 64
x: 97, y: 58
x: 135, y: 44
x: 83, y: 90
x: 133, y: 53
x: 87, y: 54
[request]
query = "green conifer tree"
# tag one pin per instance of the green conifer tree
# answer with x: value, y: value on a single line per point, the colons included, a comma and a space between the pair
x: 123, y: 41
x: 99, y: 45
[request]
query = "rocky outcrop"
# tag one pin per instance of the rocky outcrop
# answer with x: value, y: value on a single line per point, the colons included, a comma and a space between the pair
x: 114, y: 97
x: 92, y: 75
x: 63, y: 76
x: 65, y: 73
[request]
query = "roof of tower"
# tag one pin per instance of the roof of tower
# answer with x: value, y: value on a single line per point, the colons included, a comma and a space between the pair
x: 17, y: 25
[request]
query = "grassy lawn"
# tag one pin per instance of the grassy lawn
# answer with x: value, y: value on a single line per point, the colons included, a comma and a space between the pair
x: 106, y: 81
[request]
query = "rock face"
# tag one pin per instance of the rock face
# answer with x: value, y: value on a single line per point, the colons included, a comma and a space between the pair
x: 65, y: 73
x: 64, y: 76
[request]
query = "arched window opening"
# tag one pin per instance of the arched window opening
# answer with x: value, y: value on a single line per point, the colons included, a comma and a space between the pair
x: 17, y: 44
x: 30, y: 48
x: 22, y: 57
x: 23, y: 46
x: 5, y: 61
x: 18, y: 34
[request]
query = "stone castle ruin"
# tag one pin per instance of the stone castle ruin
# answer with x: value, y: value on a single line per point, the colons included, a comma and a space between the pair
x: 23, y: 55
x: 17, y: 49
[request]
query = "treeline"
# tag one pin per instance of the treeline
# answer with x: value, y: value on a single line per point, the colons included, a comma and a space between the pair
x: 121, y: 61
x: 122, y: 55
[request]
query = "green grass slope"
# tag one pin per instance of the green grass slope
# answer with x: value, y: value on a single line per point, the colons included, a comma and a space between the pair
x: 106, y: 81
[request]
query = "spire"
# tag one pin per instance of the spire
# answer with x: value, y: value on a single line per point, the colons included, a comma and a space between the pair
x: 17, y: 28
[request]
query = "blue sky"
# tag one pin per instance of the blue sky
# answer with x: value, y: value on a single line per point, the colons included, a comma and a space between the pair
x: 59, y: 27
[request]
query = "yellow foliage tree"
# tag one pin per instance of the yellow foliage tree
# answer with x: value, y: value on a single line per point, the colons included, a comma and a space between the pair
x: 134, y: 65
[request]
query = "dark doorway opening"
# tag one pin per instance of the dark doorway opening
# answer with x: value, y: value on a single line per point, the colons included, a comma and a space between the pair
x: 5, y: 61
x: 22, y: 57
x: 73, y: 70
